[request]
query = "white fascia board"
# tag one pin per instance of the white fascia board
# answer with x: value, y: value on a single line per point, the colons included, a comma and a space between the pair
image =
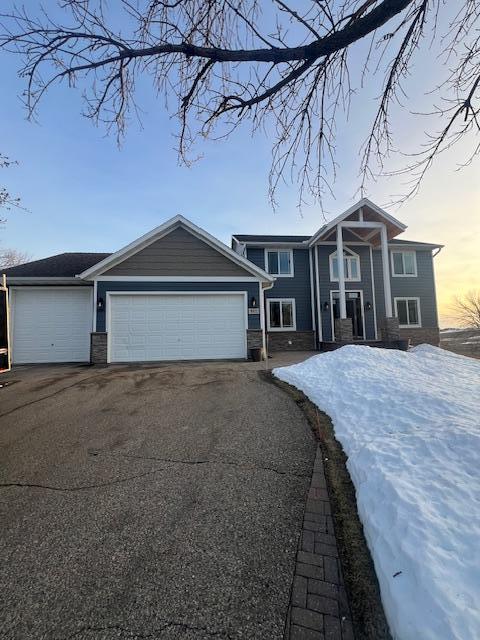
x: 364, y: 202
x: 161, y: 231
x: 176, y: 279
x: 415, y: 245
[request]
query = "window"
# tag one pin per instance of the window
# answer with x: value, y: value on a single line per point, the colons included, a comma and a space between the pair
x: 279, y: 262
x: 351, y: 262
x: 281, y: 314
x: 404, y: 263
x: 407, y: 311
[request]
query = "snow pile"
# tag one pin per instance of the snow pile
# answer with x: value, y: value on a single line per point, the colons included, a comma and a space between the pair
x: 409, y: 423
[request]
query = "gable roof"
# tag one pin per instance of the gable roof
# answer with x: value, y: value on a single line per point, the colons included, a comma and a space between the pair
x: 62, y: 265
x: 163, y: 230
x: 369, y: 205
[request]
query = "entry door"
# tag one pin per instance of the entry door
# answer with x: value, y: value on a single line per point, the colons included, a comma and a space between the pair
x: 353, y: 301
x: 155, y: 327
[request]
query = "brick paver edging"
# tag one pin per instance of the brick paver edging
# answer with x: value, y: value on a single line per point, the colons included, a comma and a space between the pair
x: 318, y: 604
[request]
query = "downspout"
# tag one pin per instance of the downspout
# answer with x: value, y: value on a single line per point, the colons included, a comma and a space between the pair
x: 263, y: 311
x: 434, y: 255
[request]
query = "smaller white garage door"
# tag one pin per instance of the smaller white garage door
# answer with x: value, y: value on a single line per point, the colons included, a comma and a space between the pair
x: 150, y: 327
x: 51, y: 325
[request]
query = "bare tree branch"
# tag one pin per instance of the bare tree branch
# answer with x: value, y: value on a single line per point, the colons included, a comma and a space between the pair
x: 283, y: 67
x: 466, y: 309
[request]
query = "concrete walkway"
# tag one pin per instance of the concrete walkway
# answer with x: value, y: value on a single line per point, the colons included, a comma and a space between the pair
x: 149, y: 502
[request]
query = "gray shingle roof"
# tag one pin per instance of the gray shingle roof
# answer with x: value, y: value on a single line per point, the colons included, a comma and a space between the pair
x: 414, y: 242
x: 268, y: 238
x: 63, y: 265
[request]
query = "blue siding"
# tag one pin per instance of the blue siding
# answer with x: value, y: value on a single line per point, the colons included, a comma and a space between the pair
x: 423, y: 287
x: 104, y: 287
x: 365, y: 285
x: 297, y: 287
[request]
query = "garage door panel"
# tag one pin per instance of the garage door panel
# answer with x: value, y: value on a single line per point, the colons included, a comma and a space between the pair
x: 176, y: 327
x: 51, y: 325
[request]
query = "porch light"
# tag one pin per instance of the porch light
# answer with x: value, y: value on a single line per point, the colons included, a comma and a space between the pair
x: 326, y: 305
x: 100, y: 304
x: 368, y: 306
x: 253, y: 302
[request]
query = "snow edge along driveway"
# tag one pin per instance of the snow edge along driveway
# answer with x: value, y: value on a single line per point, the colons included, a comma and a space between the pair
x: 408, y: 422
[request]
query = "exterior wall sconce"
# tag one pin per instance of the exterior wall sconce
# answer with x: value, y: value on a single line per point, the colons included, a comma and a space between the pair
x: 368, y: 306
x: 326, y: 305
x: 100, y: 304
x: 253, y: 302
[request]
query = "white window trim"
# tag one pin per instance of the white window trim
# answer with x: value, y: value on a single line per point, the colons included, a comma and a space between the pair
x: 406, y: 299
x: 351, y: 254
x: 294, y: 314
x: 403, y: 275
x: 268, y: 250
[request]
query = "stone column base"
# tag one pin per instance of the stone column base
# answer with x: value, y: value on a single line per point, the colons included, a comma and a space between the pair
x: 98, y: 348
x: 343, y: 330
x: 390, y: 330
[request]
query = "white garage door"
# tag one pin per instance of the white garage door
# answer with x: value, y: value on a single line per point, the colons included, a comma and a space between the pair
x: 176, y: 327
x: 51, y: 325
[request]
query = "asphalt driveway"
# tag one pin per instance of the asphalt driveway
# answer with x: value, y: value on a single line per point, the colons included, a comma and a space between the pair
x: 149, y: 502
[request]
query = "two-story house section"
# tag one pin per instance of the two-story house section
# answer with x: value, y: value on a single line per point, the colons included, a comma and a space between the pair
x: 382, y: 290
x: 179, y: 293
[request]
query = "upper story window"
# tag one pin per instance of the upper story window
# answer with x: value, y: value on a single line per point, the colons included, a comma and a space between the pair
x: 279, y: 262
x: 404, y: 263
x: 351, y: 262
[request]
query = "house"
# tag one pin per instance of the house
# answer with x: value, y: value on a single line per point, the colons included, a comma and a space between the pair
x: 178, y: 293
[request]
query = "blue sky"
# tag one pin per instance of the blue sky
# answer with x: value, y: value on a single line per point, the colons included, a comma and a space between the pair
x: 84, y: 193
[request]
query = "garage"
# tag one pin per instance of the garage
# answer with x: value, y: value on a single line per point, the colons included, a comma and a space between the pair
x: 51, y: 324
x: 176, y: 326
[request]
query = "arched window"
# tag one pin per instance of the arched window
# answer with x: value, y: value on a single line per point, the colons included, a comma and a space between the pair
x: 351, y: 262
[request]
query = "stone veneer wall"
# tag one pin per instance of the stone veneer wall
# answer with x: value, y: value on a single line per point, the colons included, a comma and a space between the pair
x: 422, y: 335
x: 254, y: 339
x: 98, y: 348
x: 291, y: 341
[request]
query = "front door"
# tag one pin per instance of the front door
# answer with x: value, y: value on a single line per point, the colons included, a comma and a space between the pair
x: 353, y: 301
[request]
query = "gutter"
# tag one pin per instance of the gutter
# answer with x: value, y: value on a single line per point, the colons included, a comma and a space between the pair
x: 33, y: 280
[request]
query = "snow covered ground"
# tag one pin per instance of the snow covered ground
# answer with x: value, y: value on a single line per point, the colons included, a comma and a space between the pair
x: 410, y: 425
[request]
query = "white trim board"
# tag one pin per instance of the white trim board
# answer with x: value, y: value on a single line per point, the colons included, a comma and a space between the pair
x: 175, y: 279
x: 160, y: 232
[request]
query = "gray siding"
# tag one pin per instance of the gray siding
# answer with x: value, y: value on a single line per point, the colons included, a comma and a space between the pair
x: 365, y: 285
x: 178, y: 254
x: 250, y: 287
x: 297, y: 287
x: 423, y: 287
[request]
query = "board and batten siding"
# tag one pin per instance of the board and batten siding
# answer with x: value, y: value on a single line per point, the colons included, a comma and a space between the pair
x: 178, y: 254
x: 422, y: 287
x: 297, y: 287
x: 105, y: 287
x: 365, y: 285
